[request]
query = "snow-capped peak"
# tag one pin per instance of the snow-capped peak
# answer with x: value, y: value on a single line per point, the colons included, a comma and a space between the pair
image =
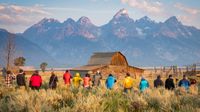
x: 3, y: 30
x: 46, y: 20
x: 122, y: 12
x: 84, y: 20
x: 145, y: 18
x: 69, y: 20
x: 172, y: 20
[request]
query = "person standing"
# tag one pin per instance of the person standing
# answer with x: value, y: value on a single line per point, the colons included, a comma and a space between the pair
x: 4, y: 72
x: 176, y: 82
x: 53, y: 81
x: 35, y: 81
x: 96, y: 80
x: 77, y: 80
x: 193, y: 86
x: 110, y: 81
x: 86, y: 81
x: 128, y: 83
x: 21, y: 82
x: 184, y: 83
x: 158, y: 82
x: 169, y: 83
x: 193, y: 81
x: 67, y: 77
x: 9, y: 78
x: 143, y: 84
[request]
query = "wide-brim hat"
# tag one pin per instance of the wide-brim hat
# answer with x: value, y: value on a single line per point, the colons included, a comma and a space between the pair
x: 90, y: 72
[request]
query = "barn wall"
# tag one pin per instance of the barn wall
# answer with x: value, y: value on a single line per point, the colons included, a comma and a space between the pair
x: 120, y: 71
x: 119, y: 60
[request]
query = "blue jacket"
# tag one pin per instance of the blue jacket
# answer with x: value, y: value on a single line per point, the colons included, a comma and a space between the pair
x: 184, y: 83
x: 110, y: 81
x: 143, y: 85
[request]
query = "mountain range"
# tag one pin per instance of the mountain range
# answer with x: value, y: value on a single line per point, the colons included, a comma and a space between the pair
x: 144, y: 42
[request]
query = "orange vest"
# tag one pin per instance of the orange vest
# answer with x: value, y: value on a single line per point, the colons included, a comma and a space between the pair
x: 67, y: 77
x: 86, y: 81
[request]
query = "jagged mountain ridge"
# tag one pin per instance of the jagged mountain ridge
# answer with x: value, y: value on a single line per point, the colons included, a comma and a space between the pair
x: 144, y: 41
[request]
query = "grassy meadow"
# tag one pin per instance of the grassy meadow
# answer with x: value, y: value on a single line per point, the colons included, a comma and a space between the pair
x: 68, y: 99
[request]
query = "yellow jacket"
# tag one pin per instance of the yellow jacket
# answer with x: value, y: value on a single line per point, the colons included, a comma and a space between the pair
x: 77, y: 80
x: 128, y: 82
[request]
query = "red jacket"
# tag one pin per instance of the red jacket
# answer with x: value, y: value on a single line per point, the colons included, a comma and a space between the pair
x: 36, y: 80
x: 67, y: 76
x: 86, y: 81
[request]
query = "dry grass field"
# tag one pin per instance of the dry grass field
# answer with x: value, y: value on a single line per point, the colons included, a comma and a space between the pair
x: 68, y: 99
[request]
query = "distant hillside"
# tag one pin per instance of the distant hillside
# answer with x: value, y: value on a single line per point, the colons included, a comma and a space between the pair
x: 32, y: 52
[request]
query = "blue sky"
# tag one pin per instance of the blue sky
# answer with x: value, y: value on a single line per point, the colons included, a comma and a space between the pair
x: 17, y: 15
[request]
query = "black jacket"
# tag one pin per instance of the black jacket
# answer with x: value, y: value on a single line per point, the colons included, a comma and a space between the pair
x: 169, y: 84
x: 21, y: 79
x: 158, y: 83
x: 53, y: 81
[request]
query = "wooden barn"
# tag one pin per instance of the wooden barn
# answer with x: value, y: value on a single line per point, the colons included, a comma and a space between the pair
x: 109, y: 62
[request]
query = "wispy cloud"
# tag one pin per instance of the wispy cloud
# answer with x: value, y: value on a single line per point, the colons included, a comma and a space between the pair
x: 168, y: 56
x: 20, y: 15
x: 137, y: 52
x: 145, y: 5
x: 188, y: 15
x: 186, y: 9
x: 186, y: 19
x: 76, y: 10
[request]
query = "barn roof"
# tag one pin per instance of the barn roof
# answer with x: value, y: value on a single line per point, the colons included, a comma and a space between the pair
x: 101, y: 58
x: 88, y: 67
x: 136, y: 68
